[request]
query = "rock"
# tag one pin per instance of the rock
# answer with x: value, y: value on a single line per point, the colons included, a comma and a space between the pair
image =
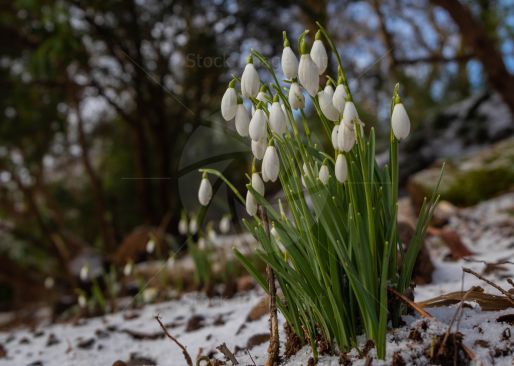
x: 259, y: 310
x: 245, y: 283
x: 257, y: 339
x: 442, y: 213
x: 470, y: 179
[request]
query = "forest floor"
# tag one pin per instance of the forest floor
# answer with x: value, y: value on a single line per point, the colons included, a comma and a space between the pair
x: 201, y: 324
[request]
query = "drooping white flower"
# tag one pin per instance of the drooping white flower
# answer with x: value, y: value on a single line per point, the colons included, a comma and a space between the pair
x: 289, y: 61
x: 82, y: 301
x: 49, y: 283
x: 84, y: 273
x: 400, y: 122
x: 258, y: 184
x: 205, y: 191
x: 319, y: 54
x: 229, y: 102
x: 277, y: 119
x: 182, y: 225
x: 264, y: 176
x: 242, y: 120
x: 150, y: 246
x: 341, y: 168
x: 324, y: 174
x: 325, y: 103
x: 271, y: 163
x: 296, y: 99
x: 345, y: 137
x: 149, y: 294
x: 201, y: 243
x: 251, y: 204
x: 224, y: 224
x: 335, y: 132
x: 257, y: 128
x: 193, y: 225
x: 338, y: 98
x: 250, y: 81
x: 308, y: 74
x: 259, y: 148
x: 211, y: 234
x: 350, y: 114
x: 127, y: 269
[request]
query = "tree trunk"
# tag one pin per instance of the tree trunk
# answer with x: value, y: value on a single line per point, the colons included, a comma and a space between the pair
x: 476, y: 37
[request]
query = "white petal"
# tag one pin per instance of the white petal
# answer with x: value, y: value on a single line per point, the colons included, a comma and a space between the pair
x: 334, y: 138
x: 400, y: 122
x: 242, y: 120
x: 250, y: 82
x: 308, y: 75
x: 262, y: 96
x: 271, y: 163
x: 350, y: 114
x: 324, y: 174
x: 325, y: 103
x: 296, y: 99
x: 319, y: 56
x: 251, y: 204
x: 289, y: 63
x: 341, y: 168
x: 277, y: 119
x: 345, y: 137
x: 224, y: 224
x: 182, y: 226
x: 338, y: 99
x: 205, y: 192
x: 257, y: 128
x: 257, y: 183
x: 229, y: 104
x: 259, y: 148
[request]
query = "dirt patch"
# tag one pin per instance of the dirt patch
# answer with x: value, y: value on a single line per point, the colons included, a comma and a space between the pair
x: 293, y: 342
x: 86, y: 343
x: 507, y: 318
x: 259, y: 310
x: 195, y: 322
x: 256, y: 340
x: 450, y: 353
x: 140, y: 336
x: 398, y: 360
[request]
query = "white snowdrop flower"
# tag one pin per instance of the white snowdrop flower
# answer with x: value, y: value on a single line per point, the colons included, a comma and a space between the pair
x: 263, y: 96
x: 265, y: 178
x: 339, y: 98
x: 308, y: 74
x: 259, y: 148
x: 149, y: 294
x: 193, y: 226
x: 229, y: 102
x: 205, y: 191
x: 350, y: 114
x: 289, y: 61
x: 201, y: 244
x: 251, y: 204
x: 319, y: 54
x: 49, y: 283
x: 335, y: 132
x: 150, y: 246
x: 258, y: 184
x: 257, y: 127
x: 182, y: 225
x: 325, y: 104
x: 224, y: 225
x: 345, y: 137
x: 211, y: 234
x: 242, y: 120
x: 250, y: 81
x: 271, y: 163
x: 295, y: 97
x: 127, y: 269
x: 400, y: 122
x: 324, y: 174
x: 277, y: 119
x: 341, y: 168
x: 82, y: 301
x: 84, y: 273
x: 170, y: 262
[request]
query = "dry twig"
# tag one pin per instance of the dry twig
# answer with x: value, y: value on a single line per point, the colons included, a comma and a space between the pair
x: 506, y: 293
x: 227, y: 353
x: 410, y: 303
x: 186, y: 354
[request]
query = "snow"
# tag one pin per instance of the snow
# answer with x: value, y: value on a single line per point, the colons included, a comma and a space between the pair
x: 486, y: 229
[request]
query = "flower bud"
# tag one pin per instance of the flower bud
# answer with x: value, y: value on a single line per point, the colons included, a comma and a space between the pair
x: 325, y: 104
x: 258, y: 184
x: 84, y: 273
x: 350, y: 114
x: 182, y: 225
x: 193, y: 226
x: 289, y: 61
x: 259, y: 148
x: 242, y: 120
x: 229, y: 103
x: 251, y: 204
x: 205, y: 192
x: 150, y: 246
x: 271, y: 163
x: 319, y: 54
x: 400, y: 122
x: 324, y: 174
x: 339, y: 98
x: 277, y: 119
x: 250, y: 81
x: 341, y: 168
x: 335, y: 132
x: 296, y: 99
x: 257, y: 128
x: 308, y: 74
x: 345, y: 137
x: 224, y: 224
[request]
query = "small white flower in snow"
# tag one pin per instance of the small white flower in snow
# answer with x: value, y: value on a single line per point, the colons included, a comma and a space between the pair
x: 400, y: 122
x: 296, y: 99
x: 319, y: 54
x: 271, y: 163
x: 257, y: 128
x: 205, y: 191
x: 250, y: 81
x: 324, y: 174
x: 341, y: 168
x: 149, y: 294
x: 229, y: 102
x: 259, y: 148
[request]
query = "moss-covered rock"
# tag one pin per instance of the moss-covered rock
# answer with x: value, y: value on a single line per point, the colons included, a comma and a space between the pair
x: 469, y: 179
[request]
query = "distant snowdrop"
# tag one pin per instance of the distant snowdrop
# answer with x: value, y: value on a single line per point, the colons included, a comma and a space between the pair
x: 229, y: 102
x: 400, y: 122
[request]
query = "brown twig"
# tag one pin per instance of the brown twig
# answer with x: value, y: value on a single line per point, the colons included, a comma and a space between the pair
x: 410, y: 303
x: 227, y: 353
x: 506, y: 293
x: 186, y: 354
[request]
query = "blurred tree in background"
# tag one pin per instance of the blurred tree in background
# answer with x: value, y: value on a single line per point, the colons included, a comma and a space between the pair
x: 100, y: 99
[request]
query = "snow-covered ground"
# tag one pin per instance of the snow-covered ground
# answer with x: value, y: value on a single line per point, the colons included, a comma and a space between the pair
x: 201, y: 324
